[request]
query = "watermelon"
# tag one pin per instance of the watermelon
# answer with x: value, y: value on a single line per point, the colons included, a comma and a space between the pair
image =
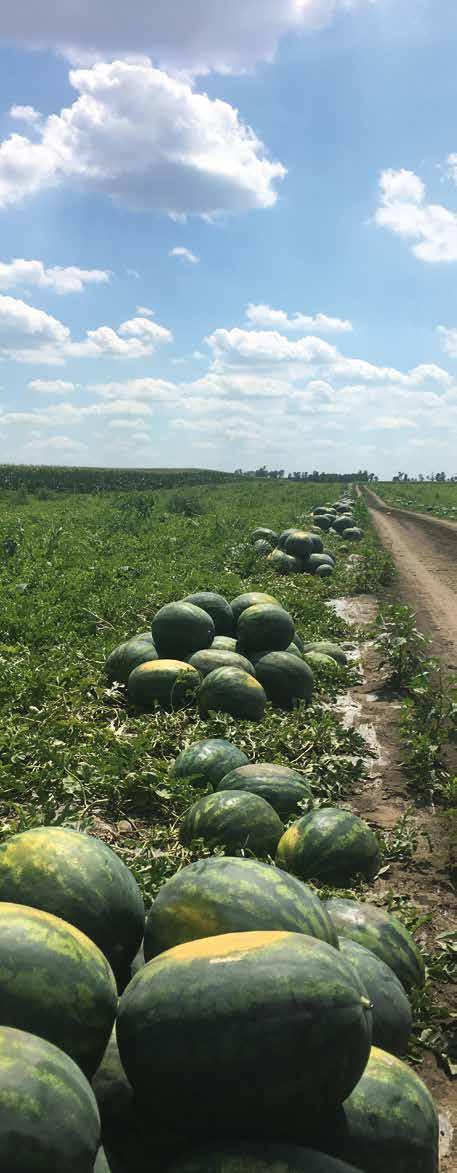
x: 389, y: 1123
x: 242, y: 602
x: 205, y: 762
x: 298, y: 641
x: 316, y: 560
x: 294, y: 650
x: 229, y: 690
x: 262, y: 533
x: 328, y: 648
x: 234, y: 821
x: 264, y: 1158
x: 113, y: 1093
x: 180, y: 629
x: 285, y: 563
x: 80, y: 879
x: 324, y: 521
x: 101, y: 1164
x: 286, y: 533
x: 324, y: 570
x: 286, y: 790
x: 230, y: 895
x: 285, y: 678
x: 54, y: 982
x: 392, y: 1017
x: 224, y: 641
x: 262, y: 547
x: 244, y: 1031
x: 331, y: 845
x: 212, y: 658
x: 265, y: 625
x: 342, y: 523
x: 49, y: 1120
x: 317, y: 544
x: 217, y: 607
x: 353, y: 534
x: 170, y: 683
x: 300, y: 544
x: 383, y: 934
x: 128, y: 655
x: 319, y: 661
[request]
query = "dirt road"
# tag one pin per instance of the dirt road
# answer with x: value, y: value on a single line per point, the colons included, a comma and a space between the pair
x: 425, y: 552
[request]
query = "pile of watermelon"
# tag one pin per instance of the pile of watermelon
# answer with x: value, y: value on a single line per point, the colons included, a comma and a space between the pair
x: 228, y: 657
x: 259, y: 1029
x: 296, y: 551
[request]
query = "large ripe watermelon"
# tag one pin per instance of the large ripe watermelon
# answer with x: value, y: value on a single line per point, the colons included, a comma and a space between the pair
x: 300, y: 544
x: 80, y: 879
x: 212, y: 658
x: 286, y: 790
x: 242, y: 602
x: 128, y: 655
x: 224, y: 641
x: 260, y: 1158
x: 55, y: 983
x: 262, y: 547
x: 285, y: 678
x: 263, y: 533
x: 284, y: 536
x: 324, y: 570
x: 342, y: 523
x: 170, y: 683
x: 205, y: 762
x: 230, y: 690
x: 234, y: 821
x: 217, y: 607
x: 180, y: 629
x: 331, y: 845
x: 265, y: 625
x: 389, y: 1123
x: 383, y: 934
x: 392, y: 1017
x: 231, y: 895
x: 318, y: 559
x: 353, y: 534
x: 328, y: 649
x: 244, y: 1031
x: 49, y: 1121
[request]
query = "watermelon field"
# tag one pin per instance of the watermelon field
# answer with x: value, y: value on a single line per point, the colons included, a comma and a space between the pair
x: 226, y: 837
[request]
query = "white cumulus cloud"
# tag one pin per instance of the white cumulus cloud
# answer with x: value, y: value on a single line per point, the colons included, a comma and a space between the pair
x: 183, y: 34
x: 51, y: 386
x: 185, y: 255
x: 26, y: 114
x: 147, y: 141
x: 266, y: 318
x: 404, y: 210
x: 30, y: 335
x: 60, y: 279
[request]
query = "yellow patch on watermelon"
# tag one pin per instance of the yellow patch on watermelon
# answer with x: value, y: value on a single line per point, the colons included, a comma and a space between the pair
x: 226, y: 947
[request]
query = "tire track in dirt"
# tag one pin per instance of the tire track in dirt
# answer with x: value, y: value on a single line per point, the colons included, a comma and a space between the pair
x: 424, y: 550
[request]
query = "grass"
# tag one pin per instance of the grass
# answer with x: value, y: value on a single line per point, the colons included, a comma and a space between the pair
x: 437, y: 499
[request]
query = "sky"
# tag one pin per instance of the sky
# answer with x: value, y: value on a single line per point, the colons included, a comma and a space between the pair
x: 228, y: 234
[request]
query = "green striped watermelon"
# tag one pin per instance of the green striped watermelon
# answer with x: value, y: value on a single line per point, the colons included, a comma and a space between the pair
x: 113, y: 1093
x: 300, y: 544
x: 383, y: 934
x: 55, y: 983
x: 49, y: 1121
x: 230, y: 895
x: 212, y: 658
x: 170, y: 683
x: 262, y: 547
x: 263, y: 533
x: 285, y: 678
x: 180, y: 629
x: 224, y: 641
x: 392, y: 1017
x: 128, y: 655
x: 285, y: 563
x: 234, y: 821
x: 244, y: 1031
x: 230, y: 690
x: 217, y: 607
x: 265, y: 625
x: 80, y: 879
x: 328, y: 649
x: 319, y: 661
x: 331, y: 845
x: 265, y: 1158
x: 205, y: 762
x: 242, y: 602
x: 286, y: 790
x: 389, y: 1123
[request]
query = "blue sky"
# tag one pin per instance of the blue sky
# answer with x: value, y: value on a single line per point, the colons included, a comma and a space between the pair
x: 229, y: 238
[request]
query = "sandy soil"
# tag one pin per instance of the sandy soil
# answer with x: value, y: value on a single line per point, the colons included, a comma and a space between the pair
x: 425, y: 553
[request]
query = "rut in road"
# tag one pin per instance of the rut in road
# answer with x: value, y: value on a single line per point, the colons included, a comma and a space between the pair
x: 425, y: 553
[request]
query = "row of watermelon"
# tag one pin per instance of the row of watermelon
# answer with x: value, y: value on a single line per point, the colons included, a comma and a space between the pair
x: 262, y: 659
x: 299, y: 551
x: 233, y: 945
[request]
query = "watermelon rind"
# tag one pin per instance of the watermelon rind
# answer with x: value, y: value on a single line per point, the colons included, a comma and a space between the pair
x: 205, y: 762
x: 234, y: 821
x: 169, y: 683
x: 331, y: 845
